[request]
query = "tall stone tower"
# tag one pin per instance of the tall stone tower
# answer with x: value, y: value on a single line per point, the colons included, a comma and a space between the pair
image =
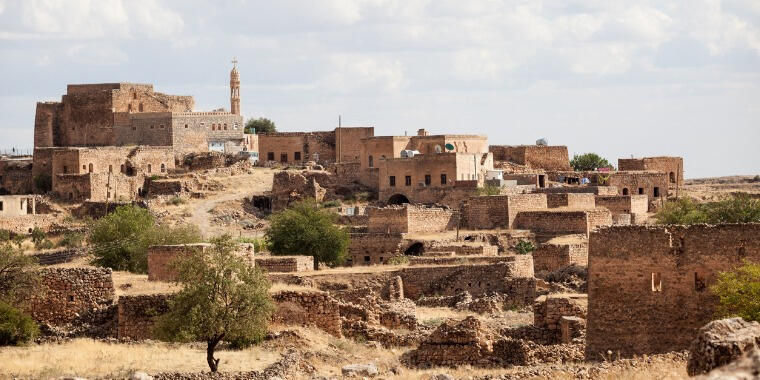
x: 234, y: 89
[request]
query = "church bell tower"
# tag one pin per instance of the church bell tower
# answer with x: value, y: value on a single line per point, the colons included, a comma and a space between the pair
x: 234, y: 88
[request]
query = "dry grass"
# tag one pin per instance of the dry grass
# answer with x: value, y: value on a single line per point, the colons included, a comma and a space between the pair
x: 127, y: 283
x: 279, y: 287
x: 90, y: 358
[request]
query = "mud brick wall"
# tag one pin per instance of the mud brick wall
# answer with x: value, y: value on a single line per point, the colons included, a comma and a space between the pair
x: 372, y: 248
x: 648, y: 287
x: 624, y: 204
x: 576, y: 201
x: 534, y: 156
x: 549, y: 310
x: 308, y: 309
x: 67, y: 294
x: 673, y: 166
x: 285, y: 263
x: 137, y: 315
x: 162, y: 257
x: 551, y: 257
x: 499, y: 211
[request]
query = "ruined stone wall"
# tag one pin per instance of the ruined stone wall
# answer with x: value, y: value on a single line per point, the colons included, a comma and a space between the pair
x: 522, y: 179
x: 97, y: 187
x: 429, y: 219
x: 308, y: 309
x: 285, y: 263
x: 16, y: 176
x: 553, y: 222
x: 673, y: 166
x: 348, y: 171
x: 549, y: 310
x: 624, y: 204
x: 66, y: 294
x: 137, y: 315
x: 24, y: 224
x: 162, y: 257
x: 449, y: 196
x: 599, y: 217
x: 47, y: 122
x: 534, y: 156
x: 597, y: 190
x: 277, y: 146
x: 551, y: 257
x: 389, y: 220
x: 648, y: 287
x: 575, y: 201
x: 499, y: 211
x: 373, y: 248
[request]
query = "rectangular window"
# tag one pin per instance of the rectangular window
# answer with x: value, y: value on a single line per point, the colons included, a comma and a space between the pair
x: 656, y: 282
x: 162, y: 126
x: 443, y: 179
x: 428, y: 180
x: 392, y: 181
x: 297, y: 156
x: 283, y: 157
x: 408, y: 180
x: 366, y: 259
x: 1, y: 205
x: 641, y: 190
x: 656, y: 191
x: 270, y: 156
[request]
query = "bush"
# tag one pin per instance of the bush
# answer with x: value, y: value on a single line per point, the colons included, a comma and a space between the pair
x: 260, y: 125
x: 333, y: 203
x: 44, y: 244
x: 38, y: 235
x: 5, y: 235
x: 524, y: 247
x: 16, y: 328
x: 738, y: 209
x: 72, y: 240
x: 258, y: 244
x: 589, y: 162
x: 738, y: 292
x: 361, y: 196
x: 120, y: 240
x: 489, y: 190
x: 19, y: 276
x: 398, y: 260
x: 175, y: 201
x: 305, y: 229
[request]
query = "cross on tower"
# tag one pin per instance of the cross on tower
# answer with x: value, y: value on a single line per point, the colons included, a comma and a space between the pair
x: 234, y: 62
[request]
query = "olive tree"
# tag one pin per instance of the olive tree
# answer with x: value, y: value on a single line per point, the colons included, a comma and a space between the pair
x: 223, y: 297
x: 306, y: 229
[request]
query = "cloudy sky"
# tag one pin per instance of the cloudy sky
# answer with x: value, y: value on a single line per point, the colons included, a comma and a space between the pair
x: 619, y: 78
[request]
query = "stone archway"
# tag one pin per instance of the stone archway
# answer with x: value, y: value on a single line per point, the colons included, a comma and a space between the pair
x: 398, y: 199
x: 415, y: 249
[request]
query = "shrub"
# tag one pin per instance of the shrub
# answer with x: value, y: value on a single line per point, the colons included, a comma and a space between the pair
x: 222, y: 298
x: 260, y: 125
x: 589, y: 161
x: 398, y: 260
x: 44, y: 244
x: 737, y: 209
x: 524, y: 247
x: 361, y: 196
x: 5, y: 235
x: 120, y: 240
x: 72, y: 240
x: 489, y: 190
x: 738, y: 292
x: 305, y: 229
x: 333, y: 203
x: 38, y: 235
x: 19, y: 276
x: 258, y: 244
x: 16, y: 328
x: 175, y: 201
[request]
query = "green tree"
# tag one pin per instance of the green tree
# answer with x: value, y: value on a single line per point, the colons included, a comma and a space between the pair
x: 589, y: 161
x: 681, y: 211
x: 120, y: 240
x: 16, y: 328
x: 222, y: 298
x: 305, y: 229
x: 524, y: 247
x: 260, y: 125
x: 738, y: 292
x: 737, y: 209
x: 18, y: 274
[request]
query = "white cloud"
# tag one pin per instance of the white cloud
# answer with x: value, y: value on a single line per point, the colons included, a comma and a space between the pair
x: 362, y: 73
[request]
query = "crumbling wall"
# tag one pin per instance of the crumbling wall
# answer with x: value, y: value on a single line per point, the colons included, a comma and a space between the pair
x: 648, y: 287
x: 162, y: 257
x: 16, y: 176
x: 534, y: 156
x: 624, y: 204
x: 285, y: 263
x: 575, y: 201
x: 673, y: 166
x: 563, y: 222
x: 549, y: 310
x: 551, y: 257
x: 67, y: 294
x: 137, y: 315
x: 308, y: 309
x: 499, y: 211
x: 373, y: 248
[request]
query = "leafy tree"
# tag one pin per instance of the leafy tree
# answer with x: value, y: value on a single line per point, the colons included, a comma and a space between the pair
x: 589, y: 161
x: 18, y: 274
x: 16, y: 328
x: 738, y: 292
x: 489, y: 190
x: 120, y: 240
x: 305, y: 229
x: 681, y: 211
x: 38, y: 235
x: 260, y: 125
x: 524, y: 247
x: 222, y: 298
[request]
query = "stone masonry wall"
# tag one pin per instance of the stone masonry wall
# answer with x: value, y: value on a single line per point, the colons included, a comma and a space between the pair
x: 308, y: 309
x: 534, y: 156
x: 373, y: 248
x: 137, y: 315
x: 623, y: 204
x: 549, y: 310
x: 161, y: 258
x: 551, y: 257
x: 499, y: 211
x: 67, y: 294
x: 648, y: 287
x: 575, y: 201
x: 285, y: 263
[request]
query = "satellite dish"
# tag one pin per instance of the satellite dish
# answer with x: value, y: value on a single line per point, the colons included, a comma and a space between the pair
x: 542, y: 141
x: 449, y: 146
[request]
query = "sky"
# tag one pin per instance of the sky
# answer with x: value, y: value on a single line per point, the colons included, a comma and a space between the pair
x: 619, y: 78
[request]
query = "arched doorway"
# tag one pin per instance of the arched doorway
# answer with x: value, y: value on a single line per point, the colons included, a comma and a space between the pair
x: 672, y: 177
x: 415, y: 249
x: 625, y: 191
x: 398, y: 199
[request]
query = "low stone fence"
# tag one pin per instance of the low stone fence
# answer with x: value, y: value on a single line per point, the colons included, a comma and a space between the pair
x: 66, y: 294
x: 58, y: 257
x: 274, y: 264
x: 308, y: 309
x: 137, y: 315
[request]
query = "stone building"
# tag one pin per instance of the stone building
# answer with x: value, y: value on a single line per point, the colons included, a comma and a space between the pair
x: 533, y: 156
x: 15, y: 205
x: 673, y: 166
x: 339, y: 145
x: 16, y: 175
x: 648, y: 287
